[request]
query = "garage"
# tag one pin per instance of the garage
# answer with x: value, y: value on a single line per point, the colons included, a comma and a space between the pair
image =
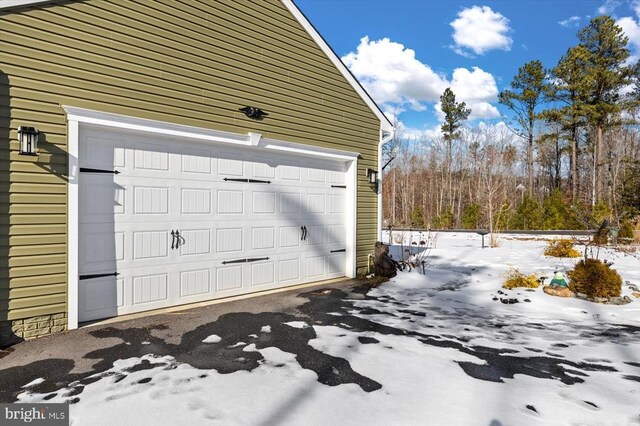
x: 167, y: 153
x: 166, y: 221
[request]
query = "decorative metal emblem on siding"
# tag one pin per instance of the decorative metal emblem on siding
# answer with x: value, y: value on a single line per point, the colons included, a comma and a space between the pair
x: 254, y: 113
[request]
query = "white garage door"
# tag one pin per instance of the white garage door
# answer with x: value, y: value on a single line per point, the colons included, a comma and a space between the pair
x: 165, y: 222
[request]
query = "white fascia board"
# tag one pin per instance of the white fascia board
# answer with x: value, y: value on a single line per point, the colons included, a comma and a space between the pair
x: 295, y: 148
x: 385, y: 124
x: 4, y: 4
x: 125, y: 122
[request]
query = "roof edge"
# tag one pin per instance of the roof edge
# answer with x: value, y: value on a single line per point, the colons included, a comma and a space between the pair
x: 337, y: 62
x: 5, y: 4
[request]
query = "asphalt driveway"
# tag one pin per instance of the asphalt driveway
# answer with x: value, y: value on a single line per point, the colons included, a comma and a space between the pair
x: 77, y: 356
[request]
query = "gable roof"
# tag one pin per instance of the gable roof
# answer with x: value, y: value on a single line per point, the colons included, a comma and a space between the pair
x: 385, y: 124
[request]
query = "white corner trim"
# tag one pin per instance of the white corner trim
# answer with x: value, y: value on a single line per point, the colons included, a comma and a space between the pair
x: 17, y: 3
x: 320, y: 41
x: 383, y: 140
x: 73, y: 218
x: 351, y: 217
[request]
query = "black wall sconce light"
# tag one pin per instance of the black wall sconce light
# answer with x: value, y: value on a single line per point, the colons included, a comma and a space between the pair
x: 28, y: 140
x: 372, y: 177
x: 254, y: 113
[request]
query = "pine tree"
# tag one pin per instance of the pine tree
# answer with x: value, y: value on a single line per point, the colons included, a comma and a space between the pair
x: 529, y: 87
x: 455, y: 113
x: 606, y: 73
x: 569, y: 88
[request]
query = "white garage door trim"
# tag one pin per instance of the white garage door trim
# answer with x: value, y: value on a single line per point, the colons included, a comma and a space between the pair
x: 77, y: 117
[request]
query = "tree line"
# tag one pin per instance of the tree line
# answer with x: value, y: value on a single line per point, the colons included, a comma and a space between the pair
x: 566, y: 156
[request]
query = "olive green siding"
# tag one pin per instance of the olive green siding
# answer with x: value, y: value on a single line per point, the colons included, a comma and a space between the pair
x: 182, y: 61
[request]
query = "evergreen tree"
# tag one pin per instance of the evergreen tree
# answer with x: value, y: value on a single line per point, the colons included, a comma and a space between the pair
x: 569, y: 88
x: 528, y: 89
x: 528, y: 215
x: 606, y: 74
x: 471, y: 216
x: 555, y: 213
x: 455, y: 113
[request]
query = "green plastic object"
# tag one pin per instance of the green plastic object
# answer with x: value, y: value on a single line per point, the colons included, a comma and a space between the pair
x: 558, y: 280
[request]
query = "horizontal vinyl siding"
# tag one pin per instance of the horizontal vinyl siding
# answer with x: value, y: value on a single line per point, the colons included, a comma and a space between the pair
x: 184, y: 61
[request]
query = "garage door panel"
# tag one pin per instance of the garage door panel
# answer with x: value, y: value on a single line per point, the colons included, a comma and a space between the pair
x: 263, y: 168
x: 230, y: 202
x: 263, y: 238
x: 151, y: 157
x: 150, y: 244
x: 195, y: 242
x: 196, y: 161
x: 264, y: 202
x: 100, y: 297
x: 195, y: 201
x: 101, y: 199
x: 289, y: 270
x: 230, y: 164
x: 263, y: 274
x: 230, y: 240
x: 150, y: 288
x: 229, y: 277
x: 103, y: 152
x: 290, y: 202
x: 195, y: 283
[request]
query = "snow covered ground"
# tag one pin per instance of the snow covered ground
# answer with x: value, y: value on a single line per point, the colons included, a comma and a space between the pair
x: 421, y: 349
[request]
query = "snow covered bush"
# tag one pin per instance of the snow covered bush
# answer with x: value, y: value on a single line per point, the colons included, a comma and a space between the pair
x: 561, y: 248
x: 516, y: 278
x: 595, y: 279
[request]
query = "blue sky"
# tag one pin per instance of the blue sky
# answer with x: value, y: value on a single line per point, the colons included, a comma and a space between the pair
x: 406, y: 52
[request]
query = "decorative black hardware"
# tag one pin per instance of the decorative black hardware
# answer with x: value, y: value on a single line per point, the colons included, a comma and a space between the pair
x: 305, y: 233
x: 338, y: 251
x: 179, y: 239
x: 338, y: 186
x: 246, y: 180
x: 254, y: 259
x: 173, y: 239
x: 253, y: 112
x: 88, y: 170
x: 88, y: 277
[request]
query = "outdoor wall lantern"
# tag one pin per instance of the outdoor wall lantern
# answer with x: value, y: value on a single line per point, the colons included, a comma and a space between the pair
x: 254, y: 113
x: 372, y: 175
x: 28, y: 140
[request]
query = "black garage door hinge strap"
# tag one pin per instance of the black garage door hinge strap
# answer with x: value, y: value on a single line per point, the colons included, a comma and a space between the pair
x: 88, y: 277
x: 338, y: 186
x: 246, y: 180
x: 255, y: 259
x: 339, y: 251
x: 88, y: 170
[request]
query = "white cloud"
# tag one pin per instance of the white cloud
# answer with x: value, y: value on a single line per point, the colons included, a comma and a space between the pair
x: 571, y: 22
x: 480, y: 30
x: 636, y: 7
x: 391, y: 73
x: 477, y: 88
x: 608, y: 7
x: 397, y: 80
x: 631, y: 28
